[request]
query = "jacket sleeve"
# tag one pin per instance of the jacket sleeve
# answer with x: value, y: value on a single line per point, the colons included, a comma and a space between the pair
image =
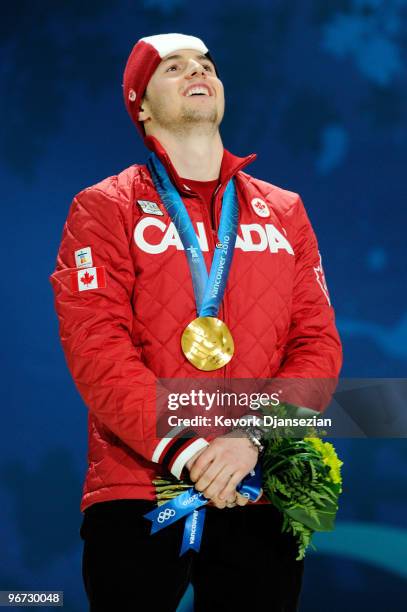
x: 95, y: 314
x: 312, y: 357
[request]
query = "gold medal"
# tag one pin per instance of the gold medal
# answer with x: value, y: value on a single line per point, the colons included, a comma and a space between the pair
x: 207, y: 343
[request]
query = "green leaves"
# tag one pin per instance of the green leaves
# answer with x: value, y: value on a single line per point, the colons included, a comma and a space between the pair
x: 296, y: 480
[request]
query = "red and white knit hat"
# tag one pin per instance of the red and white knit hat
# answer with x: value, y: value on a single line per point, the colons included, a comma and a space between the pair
x: 144, y: 58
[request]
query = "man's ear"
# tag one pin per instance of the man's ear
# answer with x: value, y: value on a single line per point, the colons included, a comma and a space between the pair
x: 144, y: 113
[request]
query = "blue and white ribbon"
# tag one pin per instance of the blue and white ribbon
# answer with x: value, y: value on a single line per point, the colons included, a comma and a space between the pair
x: 190, y: 504
x: 208, y: 290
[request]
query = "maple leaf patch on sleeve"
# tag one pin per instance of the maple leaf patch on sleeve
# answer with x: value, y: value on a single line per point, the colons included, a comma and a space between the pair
x: 90, y: 278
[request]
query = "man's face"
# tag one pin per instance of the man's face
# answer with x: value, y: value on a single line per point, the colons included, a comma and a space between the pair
x: 184, y: 93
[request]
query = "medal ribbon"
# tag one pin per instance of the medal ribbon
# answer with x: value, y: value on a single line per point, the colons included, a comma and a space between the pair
x: 208, y: 290
x: 190, y: 504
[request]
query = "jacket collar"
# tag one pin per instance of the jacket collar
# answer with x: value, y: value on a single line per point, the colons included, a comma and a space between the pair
x: 231, y: 164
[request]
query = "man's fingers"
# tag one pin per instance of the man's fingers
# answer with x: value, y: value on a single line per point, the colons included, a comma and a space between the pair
x: 241, y: 500
x: 201, y: 464
x: 219, y: 469
x: 219, y: 503
x: 191, y: 462
x: 218, y: 483
x: 210, y: 475
x: 231, y: 502
x: 230, y: 488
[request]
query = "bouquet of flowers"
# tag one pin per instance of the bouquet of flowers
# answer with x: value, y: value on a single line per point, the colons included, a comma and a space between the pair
x: 302, y: 479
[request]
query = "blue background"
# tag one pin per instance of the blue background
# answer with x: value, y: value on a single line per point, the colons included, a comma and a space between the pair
x: 318, y: 90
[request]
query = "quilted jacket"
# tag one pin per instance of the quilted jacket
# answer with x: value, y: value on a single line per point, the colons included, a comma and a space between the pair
x: 122, y: 331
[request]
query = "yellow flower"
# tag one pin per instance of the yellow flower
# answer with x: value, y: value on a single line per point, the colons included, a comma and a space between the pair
x: 329, y: 457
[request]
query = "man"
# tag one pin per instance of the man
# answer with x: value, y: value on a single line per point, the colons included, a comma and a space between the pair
x: 132, y: 309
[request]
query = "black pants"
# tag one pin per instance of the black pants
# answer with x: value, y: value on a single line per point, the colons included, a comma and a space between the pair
x: 244, y: 563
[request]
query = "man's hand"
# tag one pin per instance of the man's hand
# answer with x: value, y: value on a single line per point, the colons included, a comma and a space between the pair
x: 229, y: 502
x: 221, y: 466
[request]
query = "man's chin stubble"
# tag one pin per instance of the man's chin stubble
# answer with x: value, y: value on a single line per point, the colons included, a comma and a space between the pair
x: 187, y: 120
x: 189, y: 115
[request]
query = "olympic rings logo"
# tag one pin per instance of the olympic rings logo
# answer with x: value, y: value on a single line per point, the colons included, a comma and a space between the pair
x: 166, y: 514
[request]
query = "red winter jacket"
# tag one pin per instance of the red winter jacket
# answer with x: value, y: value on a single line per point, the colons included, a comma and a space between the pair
x: 122, y: 331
